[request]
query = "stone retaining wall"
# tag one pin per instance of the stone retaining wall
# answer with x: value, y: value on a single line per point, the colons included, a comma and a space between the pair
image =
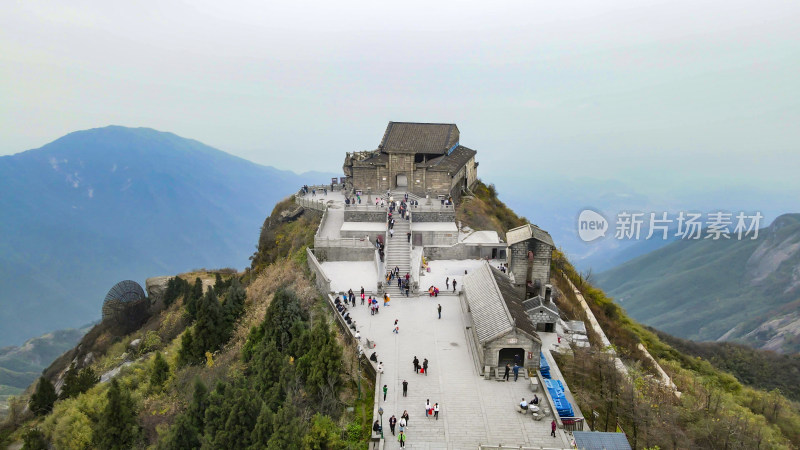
x: 447, y: 215
x: 345, y: 253
x: 360, y: 215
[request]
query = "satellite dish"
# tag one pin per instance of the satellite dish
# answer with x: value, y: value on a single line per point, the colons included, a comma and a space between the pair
x: 120, y: 298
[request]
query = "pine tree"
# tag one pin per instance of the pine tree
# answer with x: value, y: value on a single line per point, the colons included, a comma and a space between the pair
x: 241, y: 420
x: 188, y: 427
x: 186, y: 352
x: 216, y: 412
x: 159, y: 373
x: 42, y: 400
x: 197, y: 409
x: 194, y: 297
x: 69, y: 388
x: 182, y: 435
x: 263, y: 429
x: 287, y: 431
x: 322, y: 364
x: 233, y: 307
x: 86, y: 379
x: 34, y: 439
x: 117, y: 428
x: 77, y: 382
x: 208, y: 328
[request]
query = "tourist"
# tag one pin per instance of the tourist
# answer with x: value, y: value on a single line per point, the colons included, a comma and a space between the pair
x: 405, y: 388
x: 376, y: 427
x: 385, y: 390
x: 416, y: 365
x: 408, y: 235
x: 407, y: 290
x: 380, y: 367
x: 396, y: 329
x: 358, y: 336
x: 447, y: 283
x: 427, y: 408
x: 454, y: 284
x: 404, y: 418
x: 516, y: 371
x: 508, y: 371
x: 362, y: 295
x: 401, y: 438
x: 523, y: 404
x: 391, y: 233
x: 553, y: 428
x: 436, y: 411
x: 439, y: 309
x: 535, y: 400
x: 392, y: 422
x: 425, y: 366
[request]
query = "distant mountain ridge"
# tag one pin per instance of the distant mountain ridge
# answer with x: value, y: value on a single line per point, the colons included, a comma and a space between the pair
x: 746, y: 291
x: 106, y: 204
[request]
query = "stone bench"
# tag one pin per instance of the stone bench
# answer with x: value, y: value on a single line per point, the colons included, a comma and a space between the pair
x: 534, y: 384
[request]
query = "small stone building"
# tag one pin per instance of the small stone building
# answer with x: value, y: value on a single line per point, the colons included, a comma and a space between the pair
x: 421, y: 158
x: 542, y: 311
x: 530, y: 251
x: 501, y: 330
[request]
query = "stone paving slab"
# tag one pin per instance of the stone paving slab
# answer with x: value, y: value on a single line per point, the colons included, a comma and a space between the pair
x: 473, y: 411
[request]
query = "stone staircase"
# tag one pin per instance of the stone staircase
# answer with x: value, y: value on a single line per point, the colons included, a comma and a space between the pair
x: 398, y: 253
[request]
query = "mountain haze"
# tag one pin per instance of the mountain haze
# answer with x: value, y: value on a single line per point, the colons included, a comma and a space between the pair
x: 746, y: 291
x: 101, y: 205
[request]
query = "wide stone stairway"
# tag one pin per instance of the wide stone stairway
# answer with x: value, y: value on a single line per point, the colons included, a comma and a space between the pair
x: 398, y: 253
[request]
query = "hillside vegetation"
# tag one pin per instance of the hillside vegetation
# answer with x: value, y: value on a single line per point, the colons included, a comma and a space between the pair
x: 249, y: 361
x: 714, y: 410
x: 758, y: 368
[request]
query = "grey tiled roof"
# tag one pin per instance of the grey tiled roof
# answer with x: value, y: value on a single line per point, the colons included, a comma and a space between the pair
x: 451, y: 163
x: 494, y: 304
x: 528, y: 231
x: 409, y: 137
x: 538, y: 302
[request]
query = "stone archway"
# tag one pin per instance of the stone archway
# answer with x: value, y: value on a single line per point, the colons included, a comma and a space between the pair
x: 402, y: 181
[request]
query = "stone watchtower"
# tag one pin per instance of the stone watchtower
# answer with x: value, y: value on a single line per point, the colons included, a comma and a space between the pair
x: 530, y: 250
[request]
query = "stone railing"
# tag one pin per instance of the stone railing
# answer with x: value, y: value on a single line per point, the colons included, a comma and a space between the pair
x: 342, y: 242
x: 380, y: 270
x: 322, y: 281
x: 311, y: 203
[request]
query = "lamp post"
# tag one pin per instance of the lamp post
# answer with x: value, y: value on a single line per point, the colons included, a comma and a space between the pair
x: 380, y: 413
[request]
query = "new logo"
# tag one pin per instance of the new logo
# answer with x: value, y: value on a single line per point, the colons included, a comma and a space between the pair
x: 591, y: 225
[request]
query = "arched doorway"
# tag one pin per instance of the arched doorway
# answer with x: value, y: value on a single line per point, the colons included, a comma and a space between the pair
x: 402, y: 181
x: 510, y: 356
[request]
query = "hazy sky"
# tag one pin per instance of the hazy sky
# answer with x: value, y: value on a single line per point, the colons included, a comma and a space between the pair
x: 673, y: 93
